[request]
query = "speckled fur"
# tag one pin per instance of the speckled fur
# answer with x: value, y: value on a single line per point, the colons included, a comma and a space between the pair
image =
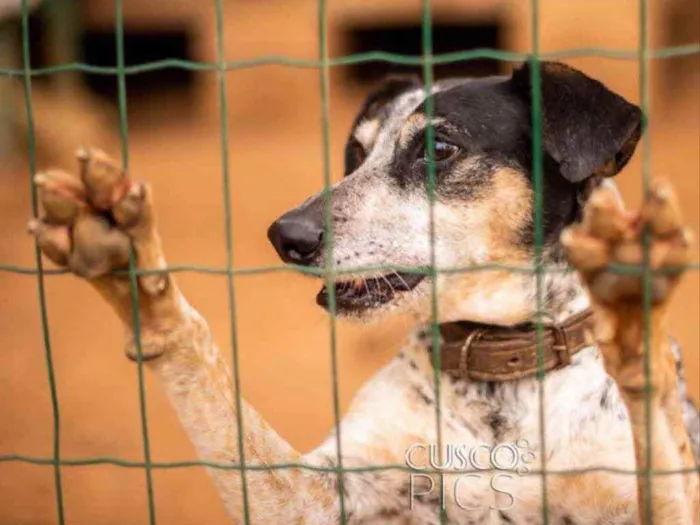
x: 586, y: 421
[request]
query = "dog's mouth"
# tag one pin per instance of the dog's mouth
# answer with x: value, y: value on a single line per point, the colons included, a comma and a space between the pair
x: 359, y: 294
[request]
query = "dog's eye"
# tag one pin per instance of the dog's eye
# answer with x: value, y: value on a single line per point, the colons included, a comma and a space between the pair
x: 443, y: 151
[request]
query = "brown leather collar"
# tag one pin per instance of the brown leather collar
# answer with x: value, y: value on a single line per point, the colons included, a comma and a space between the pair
x: 495, y: 353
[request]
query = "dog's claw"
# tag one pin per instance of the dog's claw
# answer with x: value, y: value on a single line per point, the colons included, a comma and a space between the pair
x: 587, y: 253
x: 82, y: 153
x: 604, y: 217
x: 53, y: 240
x: 662, y: 210
x: 610, y: 235
x: 62, y: 196
x: 104, y: 179
x: 128, y: 210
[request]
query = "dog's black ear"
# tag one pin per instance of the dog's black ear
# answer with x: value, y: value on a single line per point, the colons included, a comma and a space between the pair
x: 586, y: 128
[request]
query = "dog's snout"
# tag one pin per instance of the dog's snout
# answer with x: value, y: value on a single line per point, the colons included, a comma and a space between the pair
x: 297, y: 237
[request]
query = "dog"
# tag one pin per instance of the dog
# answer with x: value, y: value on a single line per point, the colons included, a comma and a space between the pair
x: 519, y: 407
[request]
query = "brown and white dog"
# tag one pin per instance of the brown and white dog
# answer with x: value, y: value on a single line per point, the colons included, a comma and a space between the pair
x: 594, y: 413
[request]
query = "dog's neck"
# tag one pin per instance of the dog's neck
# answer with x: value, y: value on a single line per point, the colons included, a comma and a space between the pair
x: 559, y: 300
x: 562, y: 296
x: 519, y: 299
x: 515, y: 298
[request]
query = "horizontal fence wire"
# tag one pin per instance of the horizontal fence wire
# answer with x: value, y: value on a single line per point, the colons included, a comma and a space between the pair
x: 358, y: 58
x: 427, y: 60
x: 166, y: 465
x: 322, y: 272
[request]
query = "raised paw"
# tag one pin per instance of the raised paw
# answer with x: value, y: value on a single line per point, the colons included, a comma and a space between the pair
x: 610, y: 238
x: 89, y: 221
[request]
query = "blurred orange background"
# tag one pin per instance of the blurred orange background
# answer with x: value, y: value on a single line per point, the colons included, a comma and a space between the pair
x: 275, y: 146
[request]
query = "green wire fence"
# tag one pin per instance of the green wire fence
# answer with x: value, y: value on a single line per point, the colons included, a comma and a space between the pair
x: 643, y: 55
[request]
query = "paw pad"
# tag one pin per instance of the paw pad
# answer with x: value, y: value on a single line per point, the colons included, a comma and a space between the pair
x: 609, y: 235
x: 90, y: 221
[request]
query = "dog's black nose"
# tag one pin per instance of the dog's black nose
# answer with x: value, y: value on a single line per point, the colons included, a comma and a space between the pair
x: 297, y: 237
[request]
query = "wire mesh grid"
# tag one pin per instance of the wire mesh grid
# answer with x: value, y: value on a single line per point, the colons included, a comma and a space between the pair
x: 427, y: 60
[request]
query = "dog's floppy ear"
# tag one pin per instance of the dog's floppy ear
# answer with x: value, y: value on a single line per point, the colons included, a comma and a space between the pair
x: 586, y: 128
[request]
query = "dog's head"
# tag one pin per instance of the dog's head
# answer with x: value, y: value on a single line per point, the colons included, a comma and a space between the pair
x: 483, y: 207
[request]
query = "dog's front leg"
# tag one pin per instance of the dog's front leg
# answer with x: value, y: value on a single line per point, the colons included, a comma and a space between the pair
x: 88, y: 225
x: 610, y: 235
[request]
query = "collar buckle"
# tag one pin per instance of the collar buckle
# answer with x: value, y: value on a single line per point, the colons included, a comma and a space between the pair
x: 464, y: 351
x: 561, y: 346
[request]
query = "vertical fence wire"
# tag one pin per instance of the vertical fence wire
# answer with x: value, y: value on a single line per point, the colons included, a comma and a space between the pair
x: 538, y: 204
x: 133, y: 280
x: 429, y: 107
x: 48, y: 353
x: 228, y: 227
x: 646, y: 243
x: 328, y: 232
x: 643, y: 56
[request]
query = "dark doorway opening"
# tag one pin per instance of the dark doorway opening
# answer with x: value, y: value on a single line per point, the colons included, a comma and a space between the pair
x: 406, y: 39
x: 140, y: 47
x: 98, y: 48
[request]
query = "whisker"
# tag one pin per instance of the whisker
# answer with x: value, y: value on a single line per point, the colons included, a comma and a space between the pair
x: 391, y: 287
x: 397, y: 274
x: 365, y: 284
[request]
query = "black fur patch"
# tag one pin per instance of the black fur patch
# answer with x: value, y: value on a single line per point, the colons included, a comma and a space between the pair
x: 422, y: 395
x: 504, y: 517
x: 588, y: 131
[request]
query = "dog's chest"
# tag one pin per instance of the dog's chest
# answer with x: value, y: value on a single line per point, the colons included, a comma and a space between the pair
x: 491, y: 434
x: 573, y: 420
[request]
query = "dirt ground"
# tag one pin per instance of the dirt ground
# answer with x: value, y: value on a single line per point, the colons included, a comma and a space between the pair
x: 283, y: 336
